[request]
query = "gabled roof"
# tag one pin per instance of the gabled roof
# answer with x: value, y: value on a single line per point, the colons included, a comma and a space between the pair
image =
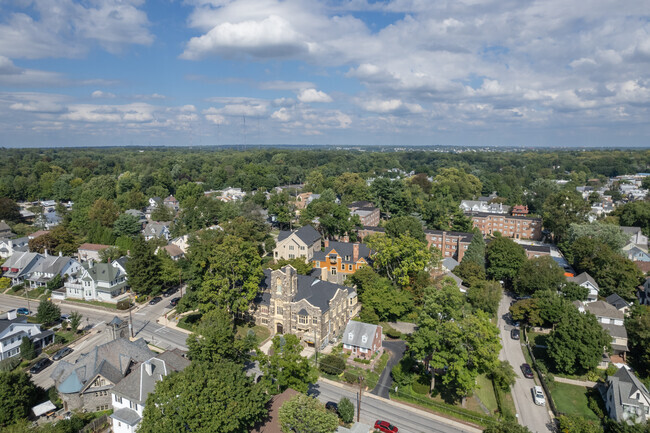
x: 104, y: 272
x: 449, y: 263
x: 4, y: 323
x: 173, y: 250
x: 51, y: 264
x: 20, y: 260
x: 624, y: 386
x: 603, y: 309
x: 583, y: 278
x: 155, y: 228
x: 617, y: 301
x: 343, y: 249
x: 4, y: 227
x: 355, y: 331
x: 307, y: 234
x: 630, y: 230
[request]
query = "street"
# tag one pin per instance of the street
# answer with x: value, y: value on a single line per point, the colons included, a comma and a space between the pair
x: 536, y: 418
x: 373, y: 408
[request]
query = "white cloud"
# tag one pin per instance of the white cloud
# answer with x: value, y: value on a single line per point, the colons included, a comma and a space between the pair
x: 313, y: 95
x: 282, y: 115
x: 100, y: 94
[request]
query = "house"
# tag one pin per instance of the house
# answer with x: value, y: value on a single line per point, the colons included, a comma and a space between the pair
x: 520, y: 210
x: 37, y: 234
x: 636, y: 236
x: 367, y: 212
x: 87, y: 383
x: 153, y: 201
x: 618, y: 303
x: 90, y: 252
x: 304, y: 199
x: 142, y: 219
x: 315, y: 311
x: 121, y: 264
x: 298, y: 243
x: 533, y: 251
x: 94, y: 281
x: 182, y: 242
x: 171, y: 202
x: 128, y: 397
x: 611, y: 319
x: 362, y: 340
x: 585, y: 280
x: 48, y: 219
x: 636, y: 254
x: 457, y: 280
x: 626, y: 397
x: 18, y: 266
x: 48, y: 267
x: 448, y: 264
x: 10, y: 246
x: 156, y: 230
x: 340, y: 259
x: 12, y: 331
x: 173, y: 251
x: 484, y: 206
x: 515, y: 227
x: 5, y: 230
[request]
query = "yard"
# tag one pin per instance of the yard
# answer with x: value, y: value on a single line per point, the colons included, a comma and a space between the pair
x: 261, y: 332
x: 572, y: 400
x: 96, y: 303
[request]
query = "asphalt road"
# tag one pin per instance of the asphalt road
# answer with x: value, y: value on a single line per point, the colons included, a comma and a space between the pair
x: 536, y: 418
x: 397, y: 349
x: 373, y: 408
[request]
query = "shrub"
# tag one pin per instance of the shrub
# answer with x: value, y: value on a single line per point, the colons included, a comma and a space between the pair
x: 331, y: 364
x: 9, y: 364
x: 362, y: 361
x: 17, y: 288
x: 346, y: 410
x: 48, y: 312
x: 4, y: 283
x: 392, y: 333
x: 124, y: 304
x: 592, y: 403
x: 350, y: 377
x: 422, y: 385
x: 611, y: 370
x: 27, y: 350
x: 401, y: 372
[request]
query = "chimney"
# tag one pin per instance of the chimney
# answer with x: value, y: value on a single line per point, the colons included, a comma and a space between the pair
x: 355, y: 252
x: 323, y: 274
x: 326, y: 243
x: 148, y: 368
x: 60, y: 254
x: 46, y: 255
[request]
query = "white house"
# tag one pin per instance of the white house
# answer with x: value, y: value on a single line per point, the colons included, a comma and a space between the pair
x: 49, y: 267
x: 12, y: 331
x: 626, y: 398
x: 97, y: 282
x: 611, y: 319
x: 18, y: 266
x: 156, y: 230
x: 299, y: 243
x: 129, y: 396
x: 9, y: 246
x: 585, y: 280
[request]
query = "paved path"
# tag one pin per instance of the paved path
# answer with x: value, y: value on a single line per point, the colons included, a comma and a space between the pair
x: 587, y: 383
x: 397, y: 349
x: 408, y: 419
x: 403, y: 327
x: 536, y: 418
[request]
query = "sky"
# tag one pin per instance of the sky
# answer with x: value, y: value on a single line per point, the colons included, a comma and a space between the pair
x: 346, y: 72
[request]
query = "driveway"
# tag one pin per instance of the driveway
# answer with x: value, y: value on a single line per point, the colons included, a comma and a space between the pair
x: 536, y: 418
x: 396, y: 350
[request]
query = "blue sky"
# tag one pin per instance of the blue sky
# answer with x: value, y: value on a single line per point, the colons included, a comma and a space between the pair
x: 347, y: 72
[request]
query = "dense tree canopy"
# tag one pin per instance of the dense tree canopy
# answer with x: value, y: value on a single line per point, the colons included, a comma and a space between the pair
x: 17, y: 393
x: 504, y: 258
x: 539, y: 273
x: 306, y: 414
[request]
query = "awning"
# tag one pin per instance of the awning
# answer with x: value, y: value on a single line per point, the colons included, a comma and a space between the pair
x: 43, y: 408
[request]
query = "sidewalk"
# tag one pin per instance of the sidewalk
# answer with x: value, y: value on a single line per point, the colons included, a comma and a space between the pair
x: 586, y: 383
x: 406, y: 408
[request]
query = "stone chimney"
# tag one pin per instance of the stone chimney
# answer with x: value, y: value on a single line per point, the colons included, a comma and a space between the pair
x: 326, y: 243
x: 148, y: 367
x: 355, y: 252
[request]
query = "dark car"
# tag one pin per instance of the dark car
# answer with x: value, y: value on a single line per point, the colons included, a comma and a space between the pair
x: 330, y: 405
x: 168, y: 293
x: 40, y: 365
x: 528, y: 372
x: 174, y: 301
x: 155, y: 300
x: 385, y: 426
x: 23, y: 311
x: 62, y: 353
x: 514, y: 334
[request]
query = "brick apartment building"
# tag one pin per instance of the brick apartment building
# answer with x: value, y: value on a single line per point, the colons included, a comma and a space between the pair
x: 516, y: 227
x: 368, y: 213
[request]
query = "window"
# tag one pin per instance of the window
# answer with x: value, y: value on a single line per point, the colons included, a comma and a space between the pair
x: 118, y: 398
x: 302, y: 320
x: 265, y: 309
x: 265, y: 321
x: 292, y: 256
x: 347, y: 258
x: 280, y: 310
x: 314, y: 320
x: 349, y: 267
x: 333, y: 271
x: 342, y: 267
x: 290, y: 247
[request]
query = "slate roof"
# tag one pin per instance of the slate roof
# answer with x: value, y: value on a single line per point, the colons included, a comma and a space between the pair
x: 307, y: 234
x: 127, y: 416
x: 4, y: 323
x: 112, y: 360
x: 617, y: 331
x: 343, y: 249
x: 51, y: 264
x: 173, y: 250
x: 20, y: 260
x: 4, y: 227
x: 624, y: 385
x: 155, y: 228
x: 617, y: 301
x: 449, y: 263
x: 583, y: 278
x: 355, y: 331
x: 104, y: 272
x: 603, y: 309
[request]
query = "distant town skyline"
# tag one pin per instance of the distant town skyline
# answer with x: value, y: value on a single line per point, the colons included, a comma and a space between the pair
x: 348, y: 73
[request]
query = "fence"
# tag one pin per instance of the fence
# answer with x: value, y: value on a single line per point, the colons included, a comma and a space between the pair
x: 542, y: 380
x: 96, y: 424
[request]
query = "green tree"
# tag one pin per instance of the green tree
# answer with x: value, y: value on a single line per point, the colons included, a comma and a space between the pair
x: 527, y: 310
x: 456, y: 183
x: 391, y: 198
x: 126, y: 225
x: 504, y: 258
x: 351, y: 187
x: 285, y: 367
x: 187, y: 191
x: 405, y: 225
x: 576, y: 424
x: 332, y: 364
x: 17, y: 394
x: 214, y: 339
x: 635, y: 214
x: 299, y: 264
x: 9, y: 210
x: 506, y: 426
x: 75, y: 320
x: 48, y: 312
x: 103, y: 211
x: 205, y: 398
x: 576, y: 345
x: 476, y: 251
x: 278, y: 205
x: 401, y: 258
x: 162, y: 213
x: 563, y: 209
x: 538, y: 273
x: 233, y: 274
x: 609, y: 234
x: 637, y: 325
x: 503, y: 376
x: 346, y: 410
x: 574, y: 292
x: 306, y: 414
x: 470, y: 272
x: 485, y: 296
x: 143, y: 268
x: 54, y: 283
x: 27, y: 350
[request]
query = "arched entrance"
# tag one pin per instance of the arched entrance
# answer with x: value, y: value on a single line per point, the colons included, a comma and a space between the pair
x: 279, y: 329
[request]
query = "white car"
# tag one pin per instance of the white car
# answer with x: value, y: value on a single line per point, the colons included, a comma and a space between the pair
x: 538, y: 396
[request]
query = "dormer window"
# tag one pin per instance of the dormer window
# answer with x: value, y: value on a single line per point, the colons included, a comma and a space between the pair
x: 350, y: 335
x: 364, y: 339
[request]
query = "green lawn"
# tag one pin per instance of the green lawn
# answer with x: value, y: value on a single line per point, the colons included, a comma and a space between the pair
x: 97, y: 303
x: 261, y: 332
x: 189, y: 321
x: 571, y: 400
x: 485, y: 393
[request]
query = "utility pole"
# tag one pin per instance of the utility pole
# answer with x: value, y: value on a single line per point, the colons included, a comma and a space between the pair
x: 131, y: 321
x: 359, y: 402
x: 27, y: 297
x: 180, y: 280
x: 316, y: 346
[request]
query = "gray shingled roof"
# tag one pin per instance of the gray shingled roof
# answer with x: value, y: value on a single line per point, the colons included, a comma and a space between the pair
x: 603, y: 309
x: 355, y: 331
x: 127, y: 416
x: 617, y: 301
x: 344, y: 249
x: 583, y: 278
x: 449, y: 263
x: 625, y: 385
x: 51, y: 264
x: 618, y: 331
x: 4, y: 323
x: 307, y: 234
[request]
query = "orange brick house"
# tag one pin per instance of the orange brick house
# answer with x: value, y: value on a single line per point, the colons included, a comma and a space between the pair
x: 340, y: 259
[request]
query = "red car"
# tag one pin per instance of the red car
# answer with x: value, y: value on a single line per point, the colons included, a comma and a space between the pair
x: 385, y: 426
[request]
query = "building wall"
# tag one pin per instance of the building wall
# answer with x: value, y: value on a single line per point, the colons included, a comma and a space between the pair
x: 450, y: 245
x: 512, y: 227
x: 357, y: 352
x: 85, y: 255
x: 293, y: 247
x: 123, y: 402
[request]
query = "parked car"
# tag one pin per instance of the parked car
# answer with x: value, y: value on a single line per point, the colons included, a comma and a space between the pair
x: 62, y: 353
x: 528, y: 372
x: 538, y: 396
x: 167, y: 293
x: 65, y: 317
x: 23, y: 312
x: 330, y: 405
x: 40, y: 365
x: 155, y: 300
x: 514, y: 334
x: 385, y: 427
x: 174, y: 301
